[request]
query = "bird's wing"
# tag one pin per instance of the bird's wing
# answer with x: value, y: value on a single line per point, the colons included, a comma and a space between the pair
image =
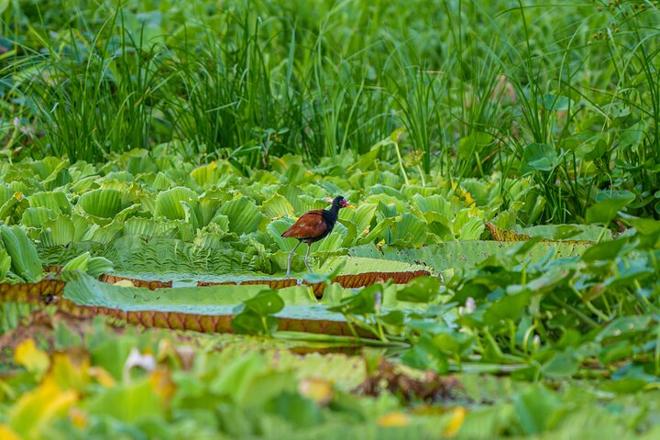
x: 309, y: 225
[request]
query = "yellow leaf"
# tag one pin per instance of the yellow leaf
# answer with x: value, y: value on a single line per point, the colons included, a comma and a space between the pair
x: 318, y: 390
x: 78, y: 418
x: 70, y: 370
x: 469, y: 200
x: 455, y: 422
x: 102, y: 376
x: 28, y: 355
x: 38, y: 407
x: 394, y: 419
x: 161, y: 381
x: 165, y: 350
x: 6, y: 433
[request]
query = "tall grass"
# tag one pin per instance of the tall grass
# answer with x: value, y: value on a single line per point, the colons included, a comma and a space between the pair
x: 566, y: 93
x: 93, y: 94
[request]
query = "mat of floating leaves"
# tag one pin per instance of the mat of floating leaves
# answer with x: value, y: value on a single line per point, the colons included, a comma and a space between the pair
x: 49, y: 291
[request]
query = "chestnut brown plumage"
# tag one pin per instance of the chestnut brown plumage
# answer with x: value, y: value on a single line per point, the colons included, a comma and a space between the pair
x: 313, y: 226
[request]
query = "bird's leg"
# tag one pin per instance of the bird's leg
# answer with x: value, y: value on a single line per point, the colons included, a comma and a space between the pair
x: 309, y: 248
x: 293, y: 251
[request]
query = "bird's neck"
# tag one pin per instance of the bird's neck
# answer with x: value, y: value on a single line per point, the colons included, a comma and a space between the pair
x: 334, y: 210
x: 330, y: 215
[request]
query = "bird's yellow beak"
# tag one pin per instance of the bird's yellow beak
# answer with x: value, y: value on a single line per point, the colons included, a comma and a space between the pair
x: 349, y: 206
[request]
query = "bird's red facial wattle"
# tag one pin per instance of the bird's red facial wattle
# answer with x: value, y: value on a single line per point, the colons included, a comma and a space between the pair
x: 344, y: 203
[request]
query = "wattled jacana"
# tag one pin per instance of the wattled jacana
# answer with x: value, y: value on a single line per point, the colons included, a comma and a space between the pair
x: 313, y: 226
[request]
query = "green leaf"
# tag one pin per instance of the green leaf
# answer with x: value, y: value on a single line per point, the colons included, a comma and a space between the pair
x: 128, y: 403
x: 362, y: 303
x: 5, y: 262
x: 361, y: 217
x: 567, y: 232
x: 607, y: 206
x: 276, y: 228
x: 473, y: 143
x: 562, y: 364
x: 645, y: 226
x: 535, y: 408
x: 539, y: 157
x: 244, y: 216
x: 267, y: 302
x: 409, y: 230
x: 3, y: 6
x: 332, y: 242
x: 419, y: 290
x: 630, y: 378
x: 625, y: 325
x: 277, y: 206
x: 12, y: 314
x: 466, y: 254
x: 25, y: 261
x: 94, y: 266
x: 65, y: 337
x: 247, y: 381
x: 54, y: 200
x: 251, y: 323
x: 169, y: 203
x: 206, y: 175
x: 555, y: 103
x: 509, y: 307
x: 207, y: 206
x: 37, y: 217
x: 102, y: 203
x: 393, y: 317
x: 607, y: 250
x: 64, y: 230
x: 425, y: 355
x: 467, y: 225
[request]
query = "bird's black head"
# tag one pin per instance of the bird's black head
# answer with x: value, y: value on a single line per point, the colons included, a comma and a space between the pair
x: 339, y: 202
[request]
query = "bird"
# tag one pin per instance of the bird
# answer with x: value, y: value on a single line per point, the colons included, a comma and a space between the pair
x: 314, y: 226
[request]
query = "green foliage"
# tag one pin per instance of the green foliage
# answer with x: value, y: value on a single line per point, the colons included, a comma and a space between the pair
x: 94, y: 266
x: 20, y: 252
x: 254, y: 315
x: 426, y: 83
x: 177, y: 141
x: 162, y: 218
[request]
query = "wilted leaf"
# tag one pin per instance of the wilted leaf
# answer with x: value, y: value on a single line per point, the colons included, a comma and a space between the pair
x: 37, y: 408
x: 394, y: 420
x: 29, y: 356
x: 319, y: 390
x: 455, y: 422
